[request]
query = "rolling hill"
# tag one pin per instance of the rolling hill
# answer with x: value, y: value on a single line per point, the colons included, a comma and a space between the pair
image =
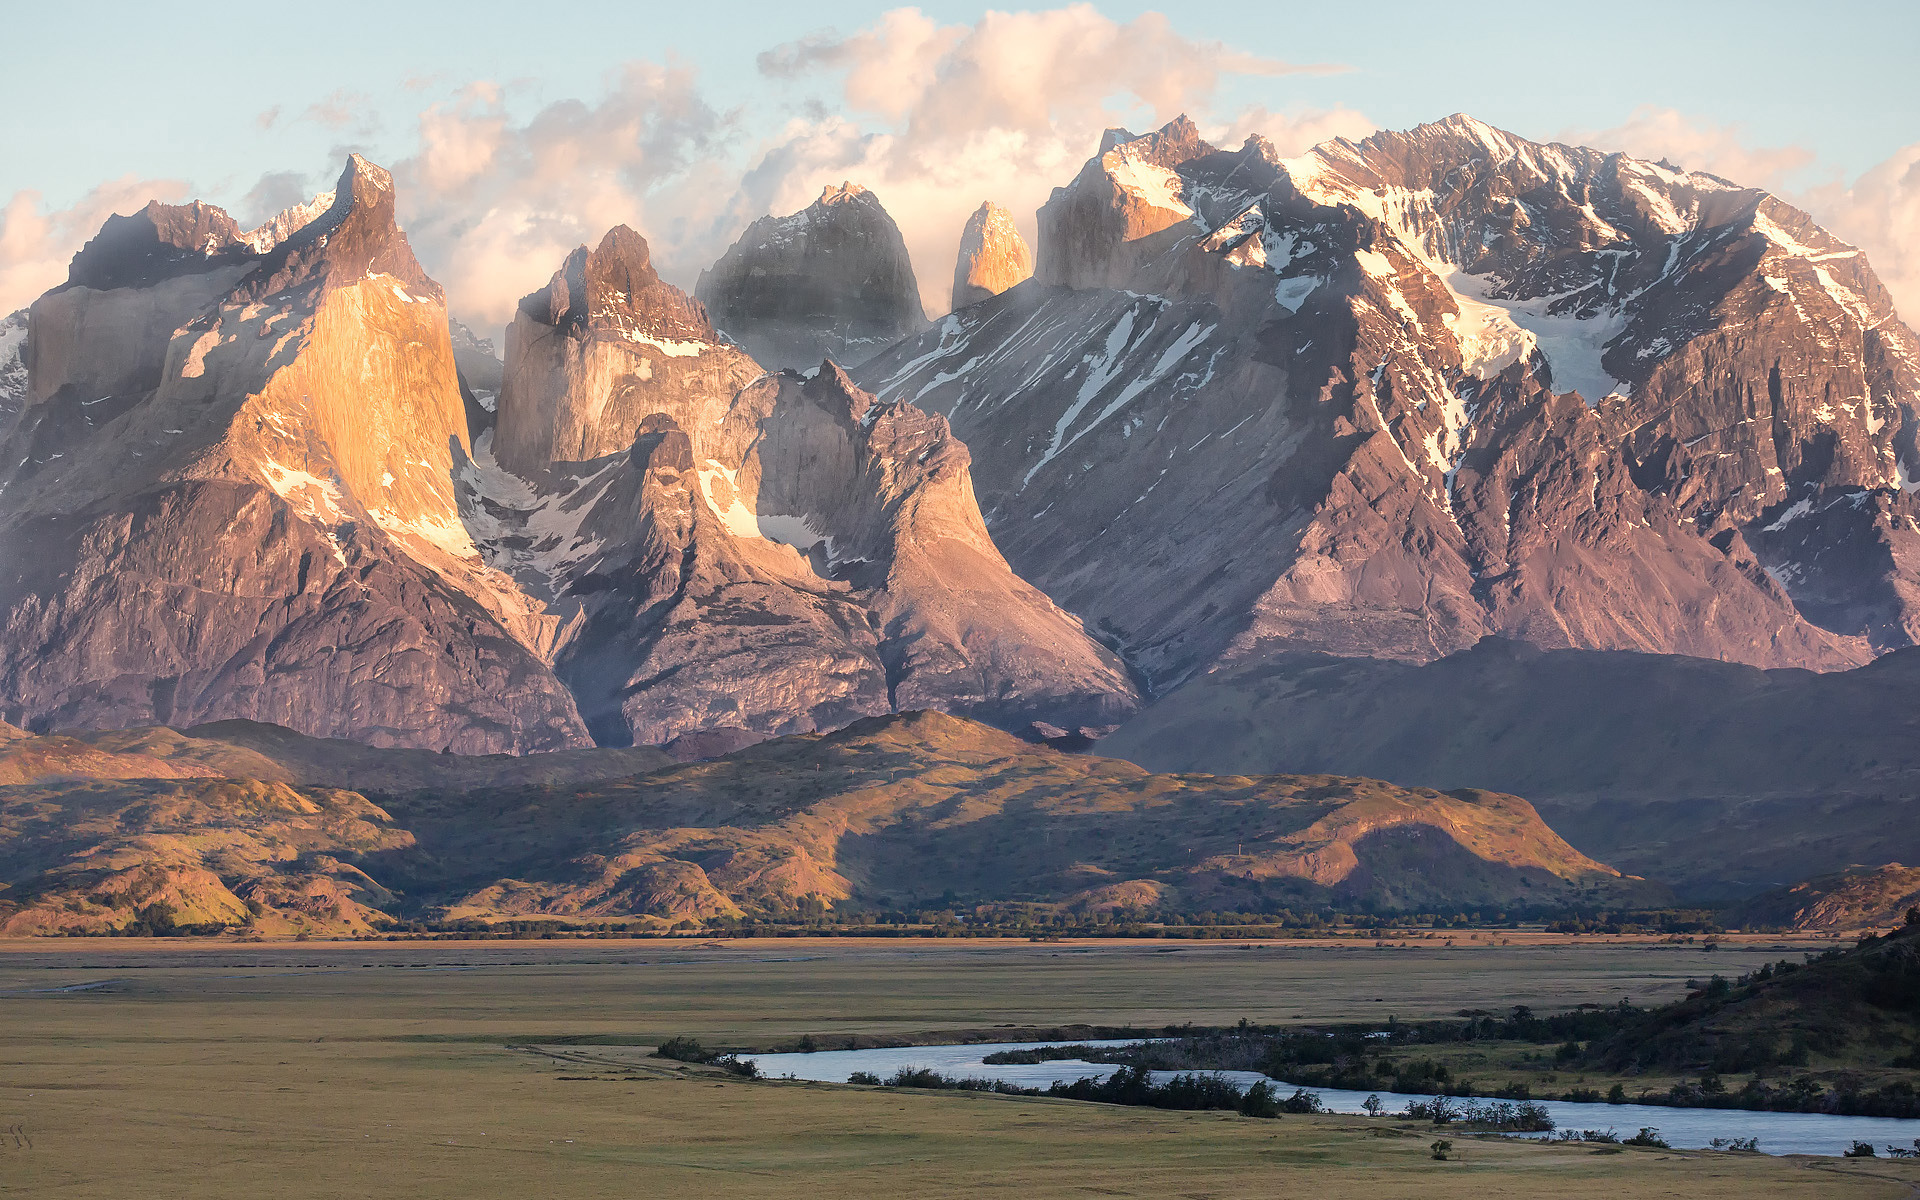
x: 904, y: 811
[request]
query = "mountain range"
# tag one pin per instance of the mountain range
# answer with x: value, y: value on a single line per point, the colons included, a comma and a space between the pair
x: 1244, y: 456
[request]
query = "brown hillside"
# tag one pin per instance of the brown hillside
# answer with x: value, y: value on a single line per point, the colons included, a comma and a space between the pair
x: 926, y: 807
x: 892, y: 812
x: 1862, y: 898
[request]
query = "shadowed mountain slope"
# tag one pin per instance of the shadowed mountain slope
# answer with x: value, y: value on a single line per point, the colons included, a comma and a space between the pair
x: 1718, y: 778
x: 1391, y: 396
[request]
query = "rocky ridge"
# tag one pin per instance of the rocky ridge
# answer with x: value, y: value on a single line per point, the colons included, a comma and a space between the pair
x: 250, y: 481
x: 1395, y: 395
x: 830, y: 281
x: 1861, y: 899
x: 230, y: 494
x: 747, y: 551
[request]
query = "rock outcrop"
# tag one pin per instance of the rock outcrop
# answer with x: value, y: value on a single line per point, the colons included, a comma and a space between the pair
x: 1858, y: 900
x: 604, y: 345
x: 738, y: 551
x: 1092, y: 230
x: 229, y: 493
x: 993, y: 257
x: 13, y: 369
x: 830, y: 281
x: 1395, y: 395
x: 478, y: 360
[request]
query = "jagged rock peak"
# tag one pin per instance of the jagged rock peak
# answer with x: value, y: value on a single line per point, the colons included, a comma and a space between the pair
x: 833, y: 279
x: 615, y: 286
x: 845, y: 193
x: 158, y: 241
x: 833, y: 389
x: 993, y: 256
x: 1130, y: 190
x: 288, y: 222
x: 1173, y: 143
x: 1258, y: 146
x: 339, y: 235
x: 357, y: 236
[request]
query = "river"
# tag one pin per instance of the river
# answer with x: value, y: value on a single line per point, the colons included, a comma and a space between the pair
x: 1683, y: 1128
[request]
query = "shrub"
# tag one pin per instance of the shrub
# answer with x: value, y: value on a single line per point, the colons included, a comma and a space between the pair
x: 1260, y: 1100
x: 1649, y: 1137
x: 744, y: 1068
x: 866, y: 1078
x: 1860, y: 1150
x: 1441, y: 1149
x: 684, y: 1049
x: 1302, y: 1101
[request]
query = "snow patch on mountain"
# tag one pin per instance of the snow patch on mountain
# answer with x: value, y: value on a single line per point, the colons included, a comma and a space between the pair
x: 13, y: 365
x: 1492, y: 331
x: 535, y: 536
x: 1149, y: 182
x: 1109, y: 364
x: 287, y: 223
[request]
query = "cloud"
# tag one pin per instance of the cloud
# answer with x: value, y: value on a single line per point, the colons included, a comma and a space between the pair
x: 37, y: 244
x: 1696, y: 145
x: 1880, y: 213
x: 934, y: 117
x: 1292, y: 133
x: 1004, y: 109
x: 275, y: 192
x: 493, y: 204
x: 342, y: 110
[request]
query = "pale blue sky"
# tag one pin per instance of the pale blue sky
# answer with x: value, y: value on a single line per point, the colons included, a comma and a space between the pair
x: 101, y: 90
x: 138, y: 100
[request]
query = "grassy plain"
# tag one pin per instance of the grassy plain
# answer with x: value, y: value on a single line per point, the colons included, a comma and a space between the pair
x: 355, y: 1069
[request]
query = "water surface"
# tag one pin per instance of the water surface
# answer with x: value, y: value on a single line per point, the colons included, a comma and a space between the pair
x: 1683, y: 1128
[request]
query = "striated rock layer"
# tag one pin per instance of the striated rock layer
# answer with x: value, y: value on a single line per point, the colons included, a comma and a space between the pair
x: 993, y: 257
x: 229, y: 492
x: 734, y: 550
x: 1395, y: 395
x: 830, y: 281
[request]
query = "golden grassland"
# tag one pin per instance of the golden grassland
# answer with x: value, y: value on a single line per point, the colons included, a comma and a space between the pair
x: 336, y: 1069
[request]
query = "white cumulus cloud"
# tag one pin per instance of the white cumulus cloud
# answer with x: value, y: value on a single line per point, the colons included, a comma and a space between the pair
x: 493, y: 204
x: 1004, y: 109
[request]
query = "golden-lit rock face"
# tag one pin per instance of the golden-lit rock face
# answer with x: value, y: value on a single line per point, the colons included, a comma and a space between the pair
x: 993, y: 256
x: 235, y: 496
x: 250, y: 487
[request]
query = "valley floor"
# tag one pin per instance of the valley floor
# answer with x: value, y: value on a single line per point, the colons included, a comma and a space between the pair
x: 324, y: 1069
